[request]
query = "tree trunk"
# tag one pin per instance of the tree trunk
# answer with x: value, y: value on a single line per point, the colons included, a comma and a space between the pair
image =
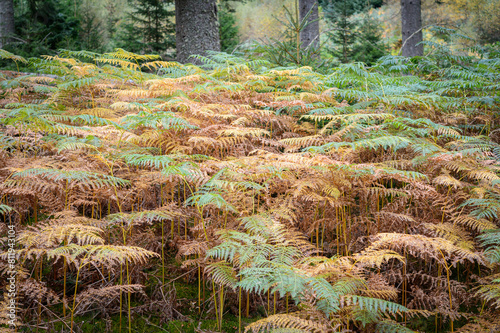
x: 411, y: 28
x: 6, y: 21
x: 310, y: 34
x: 197, y: 28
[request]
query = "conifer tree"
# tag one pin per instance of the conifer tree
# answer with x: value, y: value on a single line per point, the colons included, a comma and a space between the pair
x: 369, y: 46
x: 343, y: 35
x: 45, y: 26
x: 353, y: 41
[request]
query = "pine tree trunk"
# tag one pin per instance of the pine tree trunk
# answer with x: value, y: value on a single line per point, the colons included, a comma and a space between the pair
x: 197, y: 28
x: 6, y: 21
x: 310, y: 34
x: 411, y: 27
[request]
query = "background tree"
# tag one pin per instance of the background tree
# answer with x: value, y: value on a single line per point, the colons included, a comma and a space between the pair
x: 228, y: 31
x: 197, y: 28
x: 45, y: 26
x: 310, y: 33
x: 483, y: 16
x: 150, y: 27
x: 411, y: 28
x: 339, y: 13
x: 350, y: 38
x: 369, y: 45
x: 6, y: 21
x: 288, y: 50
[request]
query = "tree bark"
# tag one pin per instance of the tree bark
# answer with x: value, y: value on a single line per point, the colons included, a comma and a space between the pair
x: 6, y: 21
x: 197, y: 28
x: 411, y: 28
x: 310, y: 34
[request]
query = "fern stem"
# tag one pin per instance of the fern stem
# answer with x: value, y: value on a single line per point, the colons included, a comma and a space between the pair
x: 314, y: 220
x: 268, y: 302
x: 215, y: 305
x: 248, y: 304
x: 344, y: 227
x: 40, y: 298
x: 121, y: 295
x: 404, y: 280
x: 221, y: 293
x: 162, y: 252
x: 337, y: 231
x: 64, y: 286
x: 199, y: 289
x: 203, y: 222
x: 128, y: 303
x: 274, y: 305
x: 239, y: 310
x: 323, y: 234
x: 66, y: 194
x: 76, y: 289
x: 447, y: 268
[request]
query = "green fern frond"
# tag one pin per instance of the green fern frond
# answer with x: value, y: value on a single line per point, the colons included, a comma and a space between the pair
x: 222, y: 273
x: 376, y: 305
x: 387, y: 142
x: 77, y: 84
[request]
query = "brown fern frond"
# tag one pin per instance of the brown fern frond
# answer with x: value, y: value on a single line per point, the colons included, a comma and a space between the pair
x: 447, y: 180
x: 36, y: 291
x: 188, y: 248
x: 8, y: 317
x: 105, y: 295
x: 424, y: 247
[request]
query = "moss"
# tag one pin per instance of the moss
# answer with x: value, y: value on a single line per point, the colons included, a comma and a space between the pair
x: 89, y: 324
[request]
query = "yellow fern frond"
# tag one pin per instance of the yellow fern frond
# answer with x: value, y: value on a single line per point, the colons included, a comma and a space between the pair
x: 475, y: 223
x: 286, y: 321
x: 68, y: 61
x: 447, y: 180
x: 159, y: 64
